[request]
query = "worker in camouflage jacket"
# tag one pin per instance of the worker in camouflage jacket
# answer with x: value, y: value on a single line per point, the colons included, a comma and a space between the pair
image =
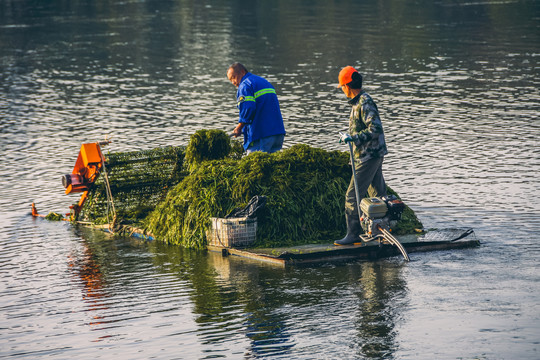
x: 367, y: 136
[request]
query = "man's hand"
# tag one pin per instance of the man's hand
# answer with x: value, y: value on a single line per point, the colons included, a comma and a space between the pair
x: 344, y: 138
x: 238, y: 130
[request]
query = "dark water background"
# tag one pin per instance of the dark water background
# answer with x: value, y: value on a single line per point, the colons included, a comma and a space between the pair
x: 457, y: 84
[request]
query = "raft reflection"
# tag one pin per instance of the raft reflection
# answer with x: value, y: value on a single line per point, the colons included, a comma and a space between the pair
x: 382, y: 296
x: 284, y: 308
x: 239, y: 306
x: 85, y: 264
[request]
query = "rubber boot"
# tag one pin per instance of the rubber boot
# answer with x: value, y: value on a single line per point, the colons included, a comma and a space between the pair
x: 353, y: 231
x: 349, y: 239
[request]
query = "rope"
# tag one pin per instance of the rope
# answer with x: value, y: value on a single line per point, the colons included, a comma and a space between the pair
x: 110, y: 201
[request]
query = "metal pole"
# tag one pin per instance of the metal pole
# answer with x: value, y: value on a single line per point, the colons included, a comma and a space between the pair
x: 355, y: 184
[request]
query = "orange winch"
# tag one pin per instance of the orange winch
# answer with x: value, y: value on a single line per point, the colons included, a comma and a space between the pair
x: 88, y: 166
x: 90, y: 163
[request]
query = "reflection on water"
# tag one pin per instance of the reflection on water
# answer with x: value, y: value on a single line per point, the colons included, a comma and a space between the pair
x: 281, y: 308
x: 457, y: 87
x: 383, y: 295
x: 87, y: 271
x: 237, y: 306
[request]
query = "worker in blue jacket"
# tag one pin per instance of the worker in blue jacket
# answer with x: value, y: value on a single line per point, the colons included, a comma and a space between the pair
x: 260, y: 119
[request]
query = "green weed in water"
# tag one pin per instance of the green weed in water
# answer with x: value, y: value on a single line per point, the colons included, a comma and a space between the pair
x: 52, y: 216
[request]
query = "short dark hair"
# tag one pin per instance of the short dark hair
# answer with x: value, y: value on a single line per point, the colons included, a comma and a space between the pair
x: 237, y: 67
x: 356, y: 82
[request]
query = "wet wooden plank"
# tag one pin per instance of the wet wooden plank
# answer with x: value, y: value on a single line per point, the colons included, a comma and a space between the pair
x: 248, y: 255
x: 320, y: 253
x: 309, y: 254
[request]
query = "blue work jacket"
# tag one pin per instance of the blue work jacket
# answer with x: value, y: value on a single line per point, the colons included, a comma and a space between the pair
x: 259, y: 109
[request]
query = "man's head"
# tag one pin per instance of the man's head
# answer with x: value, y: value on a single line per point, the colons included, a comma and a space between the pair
x: 349, y: 80
x: 236, y: 72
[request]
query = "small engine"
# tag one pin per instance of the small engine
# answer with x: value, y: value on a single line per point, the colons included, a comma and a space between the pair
x: 384, y: 212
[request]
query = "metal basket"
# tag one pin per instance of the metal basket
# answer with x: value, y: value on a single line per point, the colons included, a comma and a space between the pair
x: 232, y: 232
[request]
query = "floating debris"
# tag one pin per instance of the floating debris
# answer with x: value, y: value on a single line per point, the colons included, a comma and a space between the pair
x: 52, y: 216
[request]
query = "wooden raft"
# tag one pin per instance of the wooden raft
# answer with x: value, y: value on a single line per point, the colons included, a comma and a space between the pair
x: 448, y: 239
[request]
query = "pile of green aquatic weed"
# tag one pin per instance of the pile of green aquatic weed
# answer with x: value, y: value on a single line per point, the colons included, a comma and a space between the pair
x: 139, y: 180
x: 211, y: 145
x: 305, y: 189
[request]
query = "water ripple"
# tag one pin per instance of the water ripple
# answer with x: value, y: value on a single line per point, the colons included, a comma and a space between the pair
x: 462, y: 133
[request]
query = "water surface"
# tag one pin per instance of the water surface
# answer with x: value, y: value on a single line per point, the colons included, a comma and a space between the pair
x: 457, y: 86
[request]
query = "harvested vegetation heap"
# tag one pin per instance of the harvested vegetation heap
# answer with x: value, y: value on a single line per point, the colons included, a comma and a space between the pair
x: 304, y: 187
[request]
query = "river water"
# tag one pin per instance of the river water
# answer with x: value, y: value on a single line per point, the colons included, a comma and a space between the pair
x: 457, y: 84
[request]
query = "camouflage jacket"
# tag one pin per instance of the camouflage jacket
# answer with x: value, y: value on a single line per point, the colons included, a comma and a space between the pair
x: 365, y: 127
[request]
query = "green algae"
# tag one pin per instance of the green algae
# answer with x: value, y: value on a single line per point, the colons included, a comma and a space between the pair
x: 52, y: 216
x: 305, y: 189
x: 304, y: 186
x: 207, y: 145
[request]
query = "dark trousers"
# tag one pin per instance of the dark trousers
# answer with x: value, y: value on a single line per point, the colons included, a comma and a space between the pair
x: 370, y: 180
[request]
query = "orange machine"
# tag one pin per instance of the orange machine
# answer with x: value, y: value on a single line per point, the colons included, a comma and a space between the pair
x: 88, y: 166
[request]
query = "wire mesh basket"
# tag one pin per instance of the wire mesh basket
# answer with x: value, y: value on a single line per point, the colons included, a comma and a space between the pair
x: 232, y: 232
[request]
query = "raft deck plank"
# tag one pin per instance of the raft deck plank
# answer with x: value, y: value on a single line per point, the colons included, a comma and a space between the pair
x: 320, y: 253
x: 445, y: 239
